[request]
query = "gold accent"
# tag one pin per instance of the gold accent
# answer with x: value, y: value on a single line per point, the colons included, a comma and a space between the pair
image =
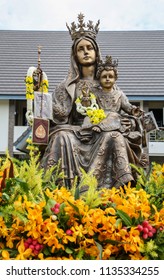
x: 108, y: 62
x: 79, y: 30
x: 39, y: 53
x: 40, y: 132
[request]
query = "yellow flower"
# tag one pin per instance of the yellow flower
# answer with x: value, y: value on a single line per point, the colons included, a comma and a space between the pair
x: 5, y: 255
x: 51, y: 234
x: 110, y: 211
x: 132, y: 240
x: 92, y: 96
x: 137, y: 256
x: 44, y: 86
x: 29, y: 79
x: 35, y: 219
x: 3, y: 228
x: 92, y: 251
x: 78, y: 231
x: 11, y: 238
x: 29, y: 87
x: 23, y: 253
x: 29, y: 96
x: 78, y: 100
x: 96, y: 116
x: 66, y: 238
x: 29, y: 140
x: 108, y: 250
x: 131, y: 201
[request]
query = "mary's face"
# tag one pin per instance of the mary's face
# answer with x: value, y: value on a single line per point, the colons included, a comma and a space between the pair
x: 85, y: 53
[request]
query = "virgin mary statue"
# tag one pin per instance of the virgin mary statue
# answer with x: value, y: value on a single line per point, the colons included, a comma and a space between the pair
x: 108, y: 152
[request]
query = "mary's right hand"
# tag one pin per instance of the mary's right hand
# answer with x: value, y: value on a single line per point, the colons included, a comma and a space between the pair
x: 59, y: 111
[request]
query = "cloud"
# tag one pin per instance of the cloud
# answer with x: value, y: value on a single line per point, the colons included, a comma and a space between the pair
x: 53, y: 14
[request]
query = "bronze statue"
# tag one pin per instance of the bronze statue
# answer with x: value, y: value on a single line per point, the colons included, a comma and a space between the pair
x: 106, y: 147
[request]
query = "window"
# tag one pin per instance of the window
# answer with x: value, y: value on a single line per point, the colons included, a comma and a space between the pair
x: 20, y: 111
x: 158, y: 114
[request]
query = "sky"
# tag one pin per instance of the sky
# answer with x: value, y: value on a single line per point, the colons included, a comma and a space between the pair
x: 53, y: 14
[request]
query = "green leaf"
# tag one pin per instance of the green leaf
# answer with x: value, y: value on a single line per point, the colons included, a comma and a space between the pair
x: 22, y: 183
x: 68, y: 251
x: 100, y: 249
x: 80, y: 254
x: 63, y: 219
x: 77, y: 193
x: 125, y: 217
x: 161, y: 249
x: 5, y: 196
x: 50, y: 203
x: 46, y: 251
x: 114, y: 242
x: 118, y: 222
x: 62, y: 206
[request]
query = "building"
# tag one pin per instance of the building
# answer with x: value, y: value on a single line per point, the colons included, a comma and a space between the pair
x: 141, y: 74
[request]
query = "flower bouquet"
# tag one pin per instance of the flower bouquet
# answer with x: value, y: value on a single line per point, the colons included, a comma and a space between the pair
x: 40, y: 220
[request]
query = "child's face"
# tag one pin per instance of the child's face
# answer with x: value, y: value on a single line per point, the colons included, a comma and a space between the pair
x: 107, y: 79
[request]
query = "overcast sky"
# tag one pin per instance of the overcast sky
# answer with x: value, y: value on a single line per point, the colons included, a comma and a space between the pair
x: 53, y: 14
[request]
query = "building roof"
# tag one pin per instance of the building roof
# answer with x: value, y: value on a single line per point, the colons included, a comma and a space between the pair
x: 140, y: 55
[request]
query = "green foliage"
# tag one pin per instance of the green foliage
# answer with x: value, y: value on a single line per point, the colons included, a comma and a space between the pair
x: 49, y: 204
x: 160, y: 244
x: 53, y: 177
x: 152, y: 182
x: 8, y: 211
x: 63, y: 217
x: 89, y: 184
x: 100, y: 248
x: 80, y: 254
x: 30, y: 173
x: 124, y: 217
x: 30, y: 180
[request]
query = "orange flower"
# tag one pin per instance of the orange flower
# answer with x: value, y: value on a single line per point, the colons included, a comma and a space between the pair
x: 11, y: 238
x: 4, y: 231
x: 23, y: 253
x: 78, y: 230
x: 5, y: 255
x: 132, y: 241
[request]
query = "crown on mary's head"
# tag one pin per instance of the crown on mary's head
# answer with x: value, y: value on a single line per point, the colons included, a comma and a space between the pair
x: 82, y: 29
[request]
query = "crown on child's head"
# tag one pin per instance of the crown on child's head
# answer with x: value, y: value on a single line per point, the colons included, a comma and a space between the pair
x: 107, y: 64
x: 82, y: 29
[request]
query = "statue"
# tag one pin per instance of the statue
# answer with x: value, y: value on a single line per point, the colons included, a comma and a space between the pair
x: 107, y: 143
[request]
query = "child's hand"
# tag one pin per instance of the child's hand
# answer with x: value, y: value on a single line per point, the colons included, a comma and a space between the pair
x: 96, y: 129
x: 126, y: 123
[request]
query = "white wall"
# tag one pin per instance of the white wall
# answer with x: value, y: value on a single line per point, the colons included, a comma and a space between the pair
x: 156, y: 149
x: 4, y: 119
